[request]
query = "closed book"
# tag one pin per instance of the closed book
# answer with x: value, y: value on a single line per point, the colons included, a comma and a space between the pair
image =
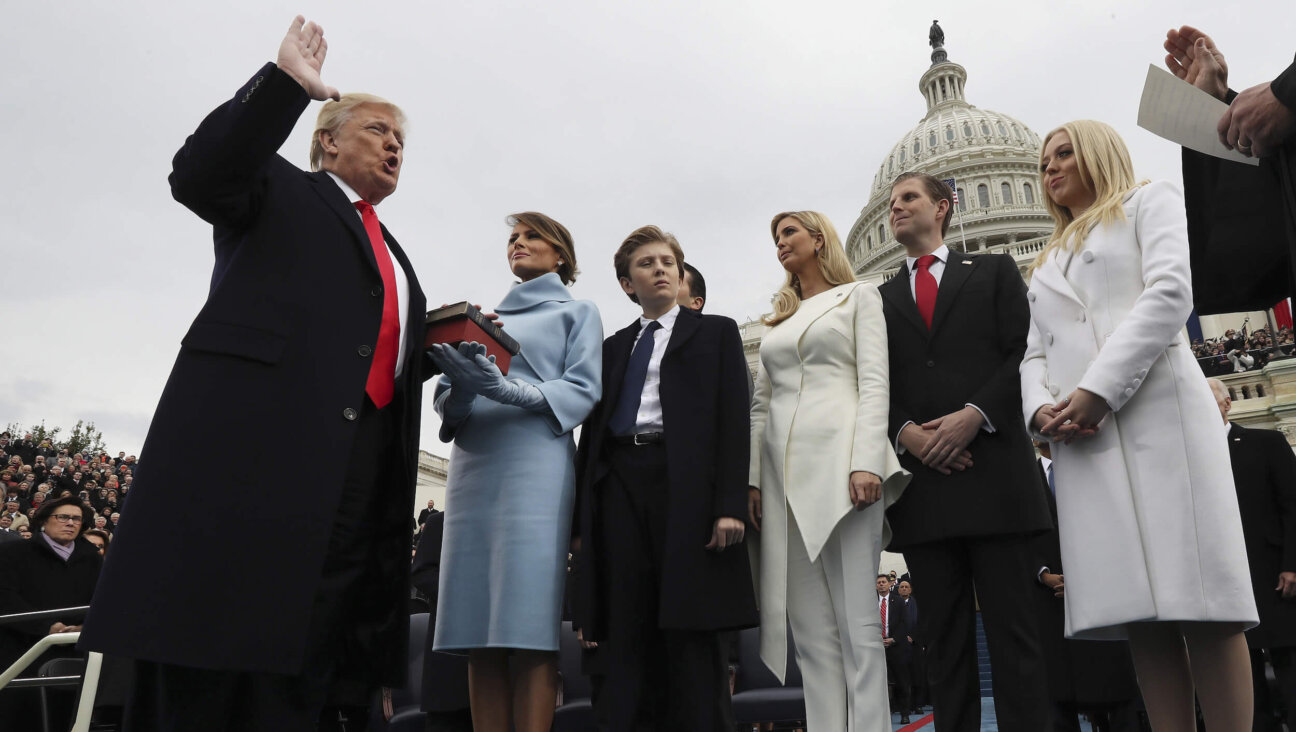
x: 460, y: 322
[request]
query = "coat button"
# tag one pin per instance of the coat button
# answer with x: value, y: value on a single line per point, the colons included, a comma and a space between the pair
x: 349, y: 414
x: 364, y: 351
x: 1087, y: 256
x: 1049, y: 337
x: 1129, y: 392
x: 1142, y: 373
x: 1053, y: 389
x: 1030, y: 296
x: 1136, y: 382
x: 930, y: 364
x: 376, y: 291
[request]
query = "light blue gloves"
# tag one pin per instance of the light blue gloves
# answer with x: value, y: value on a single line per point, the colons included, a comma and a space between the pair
x: 470, y: 372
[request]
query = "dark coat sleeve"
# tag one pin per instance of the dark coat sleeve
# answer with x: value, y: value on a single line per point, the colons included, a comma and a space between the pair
x: 1000, y: 397
x: 1284, y: 87
x: 735, y: 426
x: 215, y: 173
x: 1281, y: 480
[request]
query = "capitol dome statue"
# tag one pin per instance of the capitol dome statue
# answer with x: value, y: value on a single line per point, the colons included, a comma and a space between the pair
x: 992, y: 157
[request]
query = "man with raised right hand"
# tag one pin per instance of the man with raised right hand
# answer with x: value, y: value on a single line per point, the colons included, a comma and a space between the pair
x: 310, y: 340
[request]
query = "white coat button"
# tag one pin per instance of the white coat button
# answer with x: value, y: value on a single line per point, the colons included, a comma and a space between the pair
x: 1142, y: 373
x: 1053, y: 389
x: 1030, y: 296
x: 1136, y: 383
x: 1050, y: 338
x: 1087, y: 256
x: 349, y: 414
x: 1129, y: 392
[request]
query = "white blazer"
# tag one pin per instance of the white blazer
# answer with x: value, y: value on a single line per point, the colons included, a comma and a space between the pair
x: 1147, y: 514
x: 819, y: 413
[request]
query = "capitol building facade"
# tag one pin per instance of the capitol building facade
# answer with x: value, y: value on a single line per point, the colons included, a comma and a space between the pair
x: 992, y: 159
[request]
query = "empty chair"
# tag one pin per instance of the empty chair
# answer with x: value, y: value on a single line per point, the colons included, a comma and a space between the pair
x: 758, y: 696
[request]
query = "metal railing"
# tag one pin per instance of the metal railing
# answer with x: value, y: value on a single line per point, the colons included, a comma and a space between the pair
x: 89, y: 681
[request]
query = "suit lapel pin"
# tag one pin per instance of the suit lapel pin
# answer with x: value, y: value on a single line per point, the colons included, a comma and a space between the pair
x: 967, y: 261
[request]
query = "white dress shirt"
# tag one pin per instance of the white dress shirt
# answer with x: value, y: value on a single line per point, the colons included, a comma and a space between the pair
x: 649, y: 417
x: 936, y: 269
x: 402, y: 282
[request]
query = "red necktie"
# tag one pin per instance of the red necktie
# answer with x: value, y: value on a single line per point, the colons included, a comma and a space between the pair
x: 884, y: 624
x: 925, y: 288
x: 382, y: 372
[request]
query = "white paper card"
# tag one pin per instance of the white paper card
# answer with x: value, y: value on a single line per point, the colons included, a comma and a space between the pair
x: 1181, y: 113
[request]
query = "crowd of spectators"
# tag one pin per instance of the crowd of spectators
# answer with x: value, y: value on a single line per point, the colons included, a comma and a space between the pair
x: 1238, y: 351
x: 33, y: 472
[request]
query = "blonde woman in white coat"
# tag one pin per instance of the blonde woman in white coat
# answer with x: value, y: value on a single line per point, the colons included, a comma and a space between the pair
x: 822, y: 475
x: 1148, y: 517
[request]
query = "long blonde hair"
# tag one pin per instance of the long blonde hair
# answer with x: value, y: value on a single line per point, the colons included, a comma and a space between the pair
x: 1105, y: 168
x: 833, y: 263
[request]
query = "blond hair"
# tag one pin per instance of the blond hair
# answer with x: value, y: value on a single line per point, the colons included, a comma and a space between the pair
x: 334, y: 114
x: 1105, y: 168
x: 833, y: 264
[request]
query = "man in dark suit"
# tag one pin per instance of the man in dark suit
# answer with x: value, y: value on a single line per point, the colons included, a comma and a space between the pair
x: 1084, y: 677
x: 918, y: 648
x: 661, y: 496
x: 956, y: 332
x: 310, y: 340
x: 895, y: 638
x: 1264, y: 474
x: 428, y: 512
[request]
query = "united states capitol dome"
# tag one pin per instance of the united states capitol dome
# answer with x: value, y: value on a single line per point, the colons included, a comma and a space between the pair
x: 993, y: 159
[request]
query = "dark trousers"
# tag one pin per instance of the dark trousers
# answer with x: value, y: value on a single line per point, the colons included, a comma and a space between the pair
x: 918, y: 676
x: 1120, y: 717
x: 1266, y: 716
x: 348, y: 605
x: 955, y: 575
x: 656, y: 678
x: 900, y: 674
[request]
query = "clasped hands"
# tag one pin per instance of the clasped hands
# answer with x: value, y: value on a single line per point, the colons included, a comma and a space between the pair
x: 1078, y: 415
x: 941, y: 444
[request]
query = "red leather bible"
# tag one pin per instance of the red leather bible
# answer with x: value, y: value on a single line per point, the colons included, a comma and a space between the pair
x: 454, y: 324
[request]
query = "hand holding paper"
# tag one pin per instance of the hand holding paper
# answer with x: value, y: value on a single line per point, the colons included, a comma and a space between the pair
x: 1184, y: 114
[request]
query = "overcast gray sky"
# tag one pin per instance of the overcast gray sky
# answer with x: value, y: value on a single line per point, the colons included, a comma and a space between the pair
x: 703, y: 117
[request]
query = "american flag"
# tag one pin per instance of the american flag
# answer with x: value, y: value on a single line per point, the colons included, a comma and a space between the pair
x: 953, y: 188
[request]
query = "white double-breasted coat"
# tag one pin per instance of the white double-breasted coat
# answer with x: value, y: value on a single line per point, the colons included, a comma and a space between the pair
x: 1148, y: 517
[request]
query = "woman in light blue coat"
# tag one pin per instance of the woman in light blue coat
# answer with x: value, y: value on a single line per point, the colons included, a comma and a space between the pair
x: 511, y: 482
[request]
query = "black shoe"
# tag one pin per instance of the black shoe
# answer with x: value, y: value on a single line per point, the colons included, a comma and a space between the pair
x: 904, y: 719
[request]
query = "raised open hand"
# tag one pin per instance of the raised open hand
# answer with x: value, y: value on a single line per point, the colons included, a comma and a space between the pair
x: 301, y: 55
x: 1192, y: 56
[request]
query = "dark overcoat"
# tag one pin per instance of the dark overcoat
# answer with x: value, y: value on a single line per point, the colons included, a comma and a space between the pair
x: 969, y: 356
x: 706, y: 422
x: 1264, y: 473
x: 33, y: 577
x: 276, y: 361
x: 1080, y: 672
x: 1242, y: 222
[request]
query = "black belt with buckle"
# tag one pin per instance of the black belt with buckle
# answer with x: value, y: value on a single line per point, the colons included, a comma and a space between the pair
x: 643, y: 438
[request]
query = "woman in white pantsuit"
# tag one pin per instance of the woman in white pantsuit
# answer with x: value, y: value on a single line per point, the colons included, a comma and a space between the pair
x: 822, y: 475
x: 1148, y: 517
